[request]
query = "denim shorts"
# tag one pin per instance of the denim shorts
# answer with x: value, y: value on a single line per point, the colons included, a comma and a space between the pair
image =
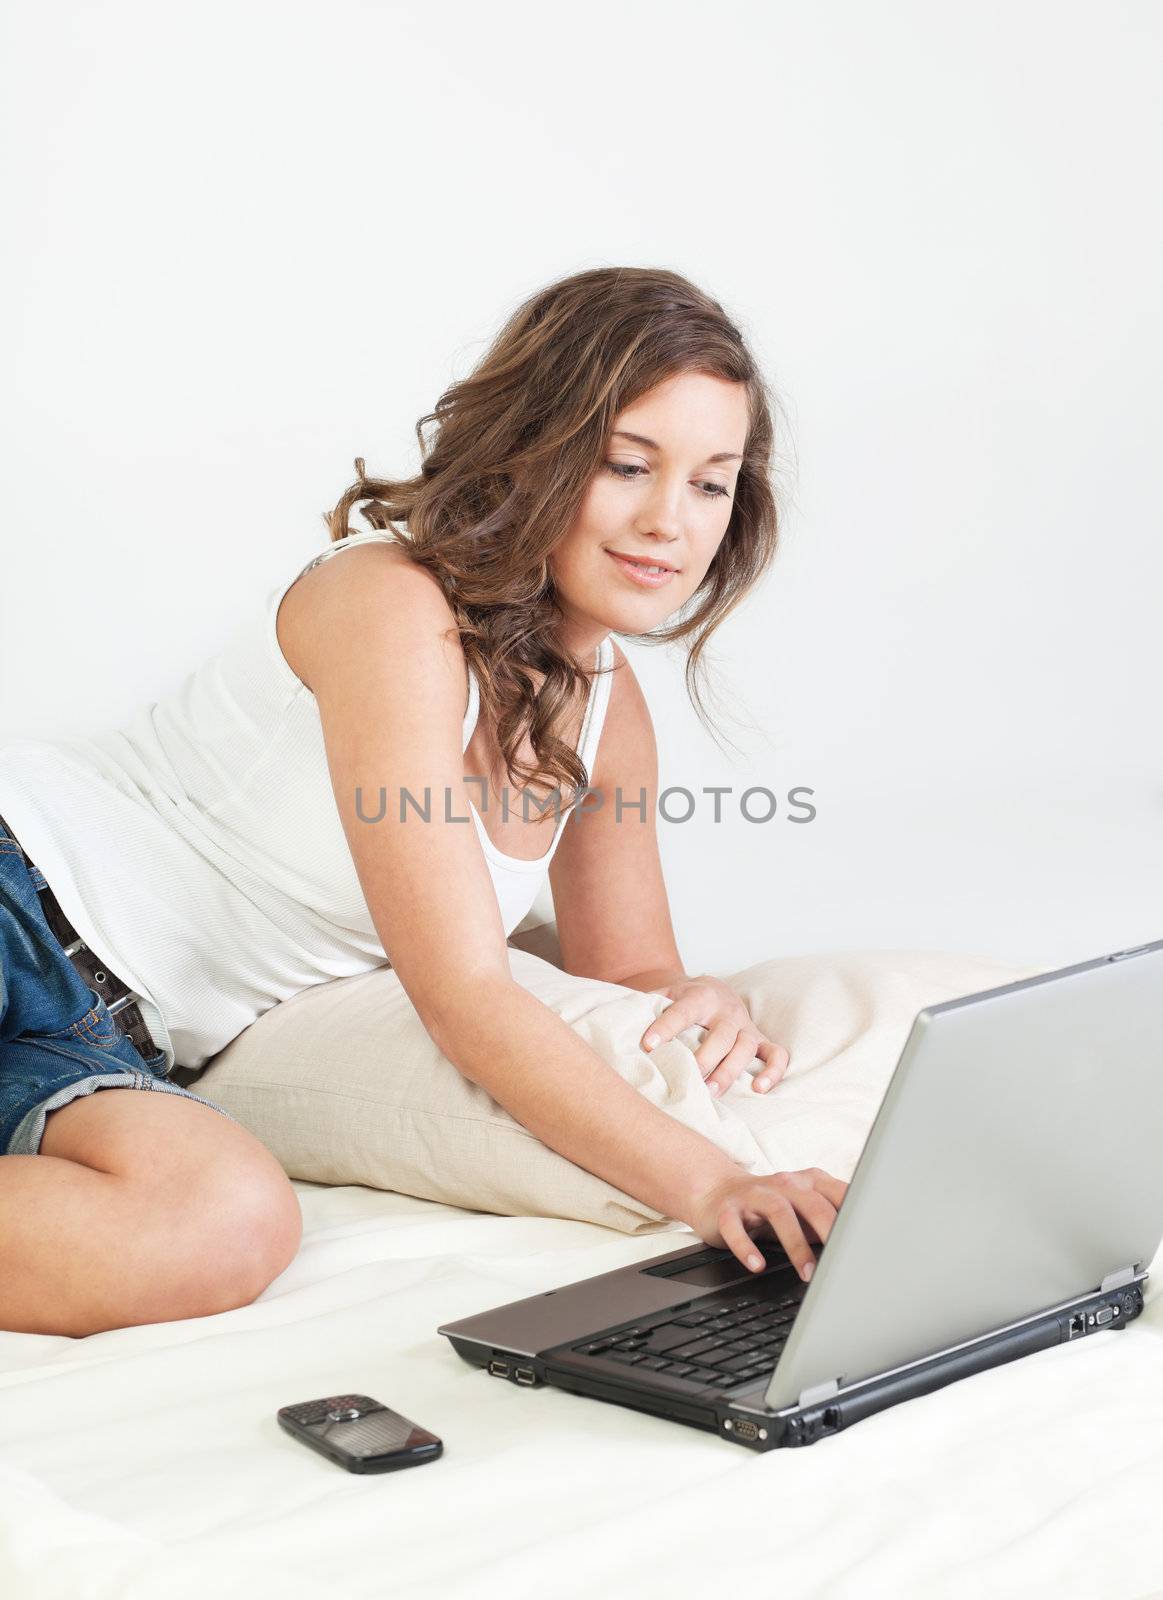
x: 57, y: 1038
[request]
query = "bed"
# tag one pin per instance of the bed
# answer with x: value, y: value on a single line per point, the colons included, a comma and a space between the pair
x: 147, y: 1462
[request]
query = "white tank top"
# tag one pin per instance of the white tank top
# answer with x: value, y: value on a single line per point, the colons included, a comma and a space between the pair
x: 198, y: 851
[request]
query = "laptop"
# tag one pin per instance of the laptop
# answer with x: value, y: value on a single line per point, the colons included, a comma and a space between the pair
x: 1009, y: 1197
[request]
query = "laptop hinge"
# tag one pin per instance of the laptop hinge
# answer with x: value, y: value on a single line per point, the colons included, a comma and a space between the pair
x: 1115, y: 1280
x: 818, y: 1392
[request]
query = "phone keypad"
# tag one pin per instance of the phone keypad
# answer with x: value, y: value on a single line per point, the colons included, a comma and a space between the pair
x: 335, y: 1408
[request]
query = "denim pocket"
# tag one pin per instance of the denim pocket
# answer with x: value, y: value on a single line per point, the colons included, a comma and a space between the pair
x: 156, y: 1063
x: 95, y: 1027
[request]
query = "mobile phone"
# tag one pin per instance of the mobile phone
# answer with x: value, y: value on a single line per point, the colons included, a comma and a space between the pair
x: 359, y: 1433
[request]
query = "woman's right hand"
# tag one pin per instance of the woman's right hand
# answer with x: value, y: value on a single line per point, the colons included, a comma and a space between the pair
x: 785, y: 1203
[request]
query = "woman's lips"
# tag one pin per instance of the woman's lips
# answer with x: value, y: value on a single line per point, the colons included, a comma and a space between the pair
x: 637, y: 573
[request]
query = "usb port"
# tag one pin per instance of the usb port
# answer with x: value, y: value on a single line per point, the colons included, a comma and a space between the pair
x: 525, y: 1375
x: 499, y: 1369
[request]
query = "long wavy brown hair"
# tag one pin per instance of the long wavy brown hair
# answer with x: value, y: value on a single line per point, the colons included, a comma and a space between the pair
x: 516, y: 445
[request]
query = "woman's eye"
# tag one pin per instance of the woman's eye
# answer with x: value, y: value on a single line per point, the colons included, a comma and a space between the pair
x: 628, y: 471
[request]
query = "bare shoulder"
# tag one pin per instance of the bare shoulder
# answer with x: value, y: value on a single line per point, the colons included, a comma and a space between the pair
x: 333, y: 605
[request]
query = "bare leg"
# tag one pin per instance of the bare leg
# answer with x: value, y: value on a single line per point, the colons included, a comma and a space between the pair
x: 161, y: 1209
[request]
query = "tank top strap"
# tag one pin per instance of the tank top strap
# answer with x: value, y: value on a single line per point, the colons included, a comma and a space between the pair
x: 592, y: 722
x: 277, y: 595
x: 368, y: 536
x: 473, y: 711
x: 363, y: 536
x: 599, y: 701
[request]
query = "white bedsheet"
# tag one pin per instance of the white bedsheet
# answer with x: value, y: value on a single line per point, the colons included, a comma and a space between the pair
x: 147, y: 1462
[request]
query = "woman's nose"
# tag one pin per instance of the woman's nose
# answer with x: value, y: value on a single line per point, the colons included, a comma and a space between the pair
x: 662, y: 515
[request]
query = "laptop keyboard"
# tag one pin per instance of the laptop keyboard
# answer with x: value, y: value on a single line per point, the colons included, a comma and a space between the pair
x: 723, y: 1342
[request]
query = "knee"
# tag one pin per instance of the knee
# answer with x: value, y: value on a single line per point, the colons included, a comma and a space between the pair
x: 272, y: 1230
x: 251, y: 1234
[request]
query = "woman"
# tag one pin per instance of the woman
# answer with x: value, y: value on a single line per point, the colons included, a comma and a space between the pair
x: 270, y: 826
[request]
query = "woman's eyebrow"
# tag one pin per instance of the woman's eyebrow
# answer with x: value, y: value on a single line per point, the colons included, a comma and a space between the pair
x: 639, y: 438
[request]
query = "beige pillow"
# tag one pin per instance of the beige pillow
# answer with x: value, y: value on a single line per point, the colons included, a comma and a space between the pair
x: 344, y: 1085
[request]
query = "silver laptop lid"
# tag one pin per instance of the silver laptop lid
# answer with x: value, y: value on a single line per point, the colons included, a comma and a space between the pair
x: 1013, y: 1165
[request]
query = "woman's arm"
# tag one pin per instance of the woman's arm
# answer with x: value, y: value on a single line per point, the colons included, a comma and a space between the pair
x: 536, y: 1066
x: 612, y: 913
x: 656, y: 982
x: 391, y: 693
x: 609, y: 895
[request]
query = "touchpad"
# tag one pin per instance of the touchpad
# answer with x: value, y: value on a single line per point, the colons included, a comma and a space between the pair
x: 707, y: 1268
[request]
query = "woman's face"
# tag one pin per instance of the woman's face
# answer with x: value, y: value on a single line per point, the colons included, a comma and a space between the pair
x: 664, y: 497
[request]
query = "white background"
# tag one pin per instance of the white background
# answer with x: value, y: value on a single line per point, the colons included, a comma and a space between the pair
x: 249, y: 242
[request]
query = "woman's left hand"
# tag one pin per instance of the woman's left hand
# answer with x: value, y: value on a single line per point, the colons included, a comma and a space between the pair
x: 732, y: 1042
